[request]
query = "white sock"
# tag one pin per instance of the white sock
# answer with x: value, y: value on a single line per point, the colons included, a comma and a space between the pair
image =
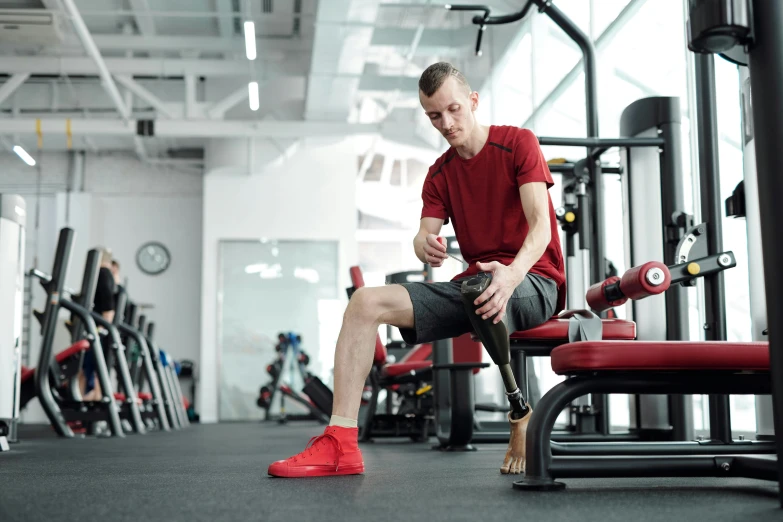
x: 343, y: 422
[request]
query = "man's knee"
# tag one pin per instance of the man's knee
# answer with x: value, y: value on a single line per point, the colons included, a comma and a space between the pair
x: 364, y: 305
x: 376, y: 304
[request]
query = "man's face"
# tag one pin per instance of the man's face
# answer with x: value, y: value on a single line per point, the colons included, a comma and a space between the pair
x: 450, y: 110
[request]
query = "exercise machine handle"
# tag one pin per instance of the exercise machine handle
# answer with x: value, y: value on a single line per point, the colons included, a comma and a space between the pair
x: 606, y: 294
x: 651, y: 278
x: 483, y: 20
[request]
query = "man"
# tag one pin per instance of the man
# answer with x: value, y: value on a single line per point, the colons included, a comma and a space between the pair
x: 493, y: 185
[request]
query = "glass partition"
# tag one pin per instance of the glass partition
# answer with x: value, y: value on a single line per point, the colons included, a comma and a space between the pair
x: 267, y: 287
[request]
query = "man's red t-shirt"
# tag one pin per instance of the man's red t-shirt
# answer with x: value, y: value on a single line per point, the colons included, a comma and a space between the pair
x: 481, y: 197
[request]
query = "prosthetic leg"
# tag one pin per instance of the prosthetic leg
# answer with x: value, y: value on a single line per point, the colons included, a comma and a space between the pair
x: 494, y: 337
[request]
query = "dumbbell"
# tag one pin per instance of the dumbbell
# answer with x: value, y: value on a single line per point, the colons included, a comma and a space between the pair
x: 264, y: 397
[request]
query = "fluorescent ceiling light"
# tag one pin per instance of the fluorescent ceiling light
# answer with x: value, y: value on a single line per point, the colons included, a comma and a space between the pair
x: 252, y: 93
x: 24, y: 155
x: 250, y: 40
x: 255, y: 269
x: 308, y: 274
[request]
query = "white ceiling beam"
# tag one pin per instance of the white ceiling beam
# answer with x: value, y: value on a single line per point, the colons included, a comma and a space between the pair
x: 52, y: 5
x: 92, y: 51
x: 128, y: 66
x: 192, y: 129
x: 11, y: 84
x: 219, y: 109
x: 144, y: 21
x: 225, y: 21
x: 338, y: 49
x: 430, y: 37
x: 144, y: 94
x: 272, y: 47
x: 382, y: 83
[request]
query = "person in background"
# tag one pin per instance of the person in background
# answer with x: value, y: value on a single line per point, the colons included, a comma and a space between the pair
x: 104, y: 304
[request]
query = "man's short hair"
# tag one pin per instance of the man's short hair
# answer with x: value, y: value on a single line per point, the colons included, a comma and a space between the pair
x: 436, y: 74
x: 115, y: 263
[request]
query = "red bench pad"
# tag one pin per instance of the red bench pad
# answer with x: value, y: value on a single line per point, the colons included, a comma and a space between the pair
x: 660, y: 356
x: 556, y: 329
x: 144, y: 396
x: 81, y: 346
x: 402, y: 368
x: 27, y: 373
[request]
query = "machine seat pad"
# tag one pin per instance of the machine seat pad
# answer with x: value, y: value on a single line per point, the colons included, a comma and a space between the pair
x: 27, y: 373
x: 556, y: 329
x: 402, y: 368
x: 660, y: 356
x: 80, y: 346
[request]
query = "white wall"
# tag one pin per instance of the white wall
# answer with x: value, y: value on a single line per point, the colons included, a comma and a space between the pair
x: 307, y: 195
x: 125, y: 203
x: 171, y: 299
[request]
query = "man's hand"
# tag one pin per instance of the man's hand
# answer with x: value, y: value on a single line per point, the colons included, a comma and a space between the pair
x: 496, y: 296
x: 434, y: 251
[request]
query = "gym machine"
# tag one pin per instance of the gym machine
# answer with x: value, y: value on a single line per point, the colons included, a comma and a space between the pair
x: 67, y: 404
x: 645, y: 139
x: 744, y: 203
x: 714, y: 366
x: 750, y: 34
x: 12, y: 234
x: 167, y: 392
x: 143, y: 367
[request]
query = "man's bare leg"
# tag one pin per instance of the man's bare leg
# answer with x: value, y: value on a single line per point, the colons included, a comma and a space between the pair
x: 367, y: 310
x: 337, y: 452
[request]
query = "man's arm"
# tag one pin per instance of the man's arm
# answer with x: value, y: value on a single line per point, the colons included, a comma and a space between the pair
x: 535, y: 205
x: 426, y: 245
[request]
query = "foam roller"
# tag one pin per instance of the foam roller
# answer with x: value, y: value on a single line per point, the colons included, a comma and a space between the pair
x: 606, y: 294
x: 651, y: 278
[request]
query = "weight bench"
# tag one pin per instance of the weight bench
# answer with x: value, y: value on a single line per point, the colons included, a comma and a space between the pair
x: 657, y: 367
x: 541, y: 340
x: 68, y: 363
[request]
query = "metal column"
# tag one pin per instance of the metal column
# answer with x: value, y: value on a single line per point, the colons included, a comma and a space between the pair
x: 766, y: 66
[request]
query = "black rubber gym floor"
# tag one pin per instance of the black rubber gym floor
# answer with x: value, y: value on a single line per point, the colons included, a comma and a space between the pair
x: 218, y: 473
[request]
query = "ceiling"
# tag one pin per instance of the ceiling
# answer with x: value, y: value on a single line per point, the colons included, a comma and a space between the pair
x: 324, y: 68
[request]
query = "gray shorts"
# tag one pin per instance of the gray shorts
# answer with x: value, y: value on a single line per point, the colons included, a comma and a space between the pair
x: 438, y: 311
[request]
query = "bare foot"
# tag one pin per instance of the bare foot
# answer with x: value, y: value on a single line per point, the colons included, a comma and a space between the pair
x: 514, y: 463
x: 92, y: 395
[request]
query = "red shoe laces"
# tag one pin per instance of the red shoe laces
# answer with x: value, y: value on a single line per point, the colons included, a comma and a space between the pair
x: 311, y: 445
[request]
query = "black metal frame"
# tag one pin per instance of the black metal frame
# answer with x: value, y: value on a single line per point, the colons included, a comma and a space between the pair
x: 173, y: 381
x: 153, y: 410
x: 156, y: 407
x: 57, y: 409
x: 766, y: 66
x: 681, y: 459
x: 163, y: 384
x: 413, y: 424
x: 130, y: 408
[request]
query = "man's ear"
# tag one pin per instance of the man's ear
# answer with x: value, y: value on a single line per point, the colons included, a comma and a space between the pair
x: 474, y: 100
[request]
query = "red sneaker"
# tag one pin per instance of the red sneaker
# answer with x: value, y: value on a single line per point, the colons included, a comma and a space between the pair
x: 336, y: 452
